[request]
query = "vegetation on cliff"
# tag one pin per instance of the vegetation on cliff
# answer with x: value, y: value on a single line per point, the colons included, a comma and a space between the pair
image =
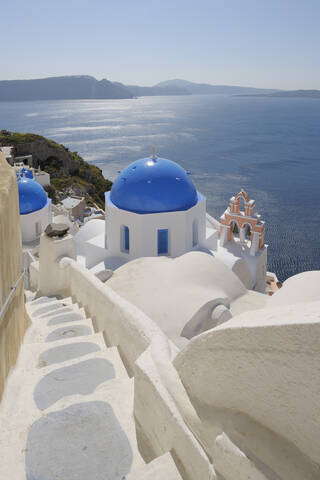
x: 69, y: 173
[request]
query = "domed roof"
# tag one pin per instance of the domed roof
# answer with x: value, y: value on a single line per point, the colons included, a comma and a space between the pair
x: 32, y: 196
x: 153, y: 185
x: 26, y: 172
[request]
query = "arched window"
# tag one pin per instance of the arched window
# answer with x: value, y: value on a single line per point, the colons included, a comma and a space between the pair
x: 235, y: 229
x: 195, y: 233
x: 125, y: 239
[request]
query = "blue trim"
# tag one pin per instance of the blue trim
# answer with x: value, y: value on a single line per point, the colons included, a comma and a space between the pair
x: 163, y: 241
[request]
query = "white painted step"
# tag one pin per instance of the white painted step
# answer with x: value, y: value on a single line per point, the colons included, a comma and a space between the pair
x: 37, y: 310
x: 42, y: 333
x: 67, y: 409
x: 40, y: 300
x: 37, y: 355
x: 79, y: 438
x: 41, y: 309
x: 63, y: 315
x: 40, y: 389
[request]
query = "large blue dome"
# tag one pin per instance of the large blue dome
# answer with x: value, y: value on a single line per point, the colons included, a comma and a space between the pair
x: 153, y: 185
x: 32, y: 196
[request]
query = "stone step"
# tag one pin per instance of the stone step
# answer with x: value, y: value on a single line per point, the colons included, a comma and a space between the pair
x: 161, y: 468
x: 80, y: 437
x: 38, y: 355
x: 48, y: 307
x: 40, y: 300
x: 42, y: 333
x: 63, y: 315
x: 41, y: 388
x: 67, y: 409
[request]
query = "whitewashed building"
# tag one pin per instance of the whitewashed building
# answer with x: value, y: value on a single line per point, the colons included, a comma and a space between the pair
x: 154, y: 209
x: 35, y: 209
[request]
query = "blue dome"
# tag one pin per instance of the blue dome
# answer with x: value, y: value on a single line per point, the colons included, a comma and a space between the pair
x: 153, y: 185
x: 32, y: 196
x: 26, y: 172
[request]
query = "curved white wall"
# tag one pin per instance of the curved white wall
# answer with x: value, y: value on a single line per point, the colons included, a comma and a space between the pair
x: 29, y: 229
x: 144, y: 230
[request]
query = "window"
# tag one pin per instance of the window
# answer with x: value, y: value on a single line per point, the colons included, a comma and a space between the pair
x: 163, y: 242
x: 38, y: 229
x: 125, y: 239
x: 195, y: 235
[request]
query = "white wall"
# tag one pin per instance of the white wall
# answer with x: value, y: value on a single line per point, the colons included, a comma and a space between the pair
x: 256, y: 377
x: 29, y: 220
x: 144, y: 230
x: 42, y: 177
x: 14, y: 320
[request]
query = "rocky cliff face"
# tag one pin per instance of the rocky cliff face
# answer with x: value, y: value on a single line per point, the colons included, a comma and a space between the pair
x: 68, y: 171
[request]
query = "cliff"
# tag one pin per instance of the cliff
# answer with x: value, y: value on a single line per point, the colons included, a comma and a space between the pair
x: 68, y: 171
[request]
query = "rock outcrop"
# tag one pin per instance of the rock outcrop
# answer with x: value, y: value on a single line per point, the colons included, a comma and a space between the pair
x: 68, y: 171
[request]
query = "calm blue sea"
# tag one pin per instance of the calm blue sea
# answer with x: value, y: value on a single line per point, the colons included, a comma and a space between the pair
x: 268, y: 146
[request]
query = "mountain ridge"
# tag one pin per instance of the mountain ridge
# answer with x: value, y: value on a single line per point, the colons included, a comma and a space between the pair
x: 81, y: 87
x: 76, y: 87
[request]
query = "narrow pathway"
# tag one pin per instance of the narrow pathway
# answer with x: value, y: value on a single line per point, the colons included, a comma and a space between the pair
x: 67, y: 410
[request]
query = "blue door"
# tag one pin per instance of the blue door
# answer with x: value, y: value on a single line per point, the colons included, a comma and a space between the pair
x: 163, y: 242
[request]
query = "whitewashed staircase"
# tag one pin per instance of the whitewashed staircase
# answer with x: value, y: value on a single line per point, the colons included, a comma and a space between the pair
x: 67, y: 409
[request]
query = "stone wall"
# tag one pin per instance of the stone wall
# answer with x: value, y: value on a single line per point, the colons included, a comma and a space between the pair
x: 14, y: 321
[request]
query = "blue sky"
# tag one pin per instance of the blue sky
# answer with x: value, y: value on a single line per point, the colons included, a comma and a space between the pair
x: 262, y: 43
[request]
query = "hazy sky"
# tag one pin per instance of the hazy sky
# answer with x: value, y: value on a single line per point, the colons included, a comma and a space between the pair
x: 262, y: 43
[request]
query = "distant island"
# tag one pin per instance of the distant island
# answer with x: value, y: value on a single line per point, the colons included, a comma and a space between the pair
x: 286, y: 94
x: 77, y: 87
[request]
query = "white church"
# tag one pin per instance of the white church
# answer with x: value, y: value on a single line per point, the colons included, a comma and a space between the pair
x: 154, y: 209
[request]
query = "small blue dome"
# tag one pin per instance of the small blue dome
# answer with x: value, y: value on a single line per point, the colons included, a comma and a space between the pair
x: 26, y: 172
x: 32, y: 196
x: 153, y: 185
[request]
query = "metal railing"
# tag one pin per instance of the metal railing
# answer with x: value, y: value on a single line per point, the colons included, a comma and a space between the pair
x: 12, y: 291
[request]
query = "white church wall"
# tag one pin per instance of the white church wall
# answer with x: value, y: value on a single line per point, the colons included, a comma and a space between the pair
x: 34, y: 223
x: 143, y: 231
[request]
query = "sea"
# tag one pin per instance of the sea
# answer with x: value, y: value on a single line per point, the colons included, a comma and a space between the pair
x: 268, y: 146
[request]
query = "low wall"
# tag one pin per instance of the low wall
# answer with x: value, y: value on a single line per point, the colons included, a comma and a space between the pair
x: 123, y: 324
x: 15, y: 321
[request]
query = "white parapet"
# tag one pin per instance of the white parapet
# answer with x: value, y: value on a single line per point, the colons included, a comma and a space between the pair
x: 52, y: 278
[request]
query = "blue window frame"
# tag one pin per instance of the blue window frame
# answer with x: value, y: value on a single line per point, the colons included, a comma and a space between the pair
x: 125, y: 241
x: 163, y: 243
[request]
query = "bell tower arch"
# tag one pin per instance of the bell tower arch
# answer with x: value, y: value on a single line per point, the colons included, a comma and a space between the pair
x: 251, y: 227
